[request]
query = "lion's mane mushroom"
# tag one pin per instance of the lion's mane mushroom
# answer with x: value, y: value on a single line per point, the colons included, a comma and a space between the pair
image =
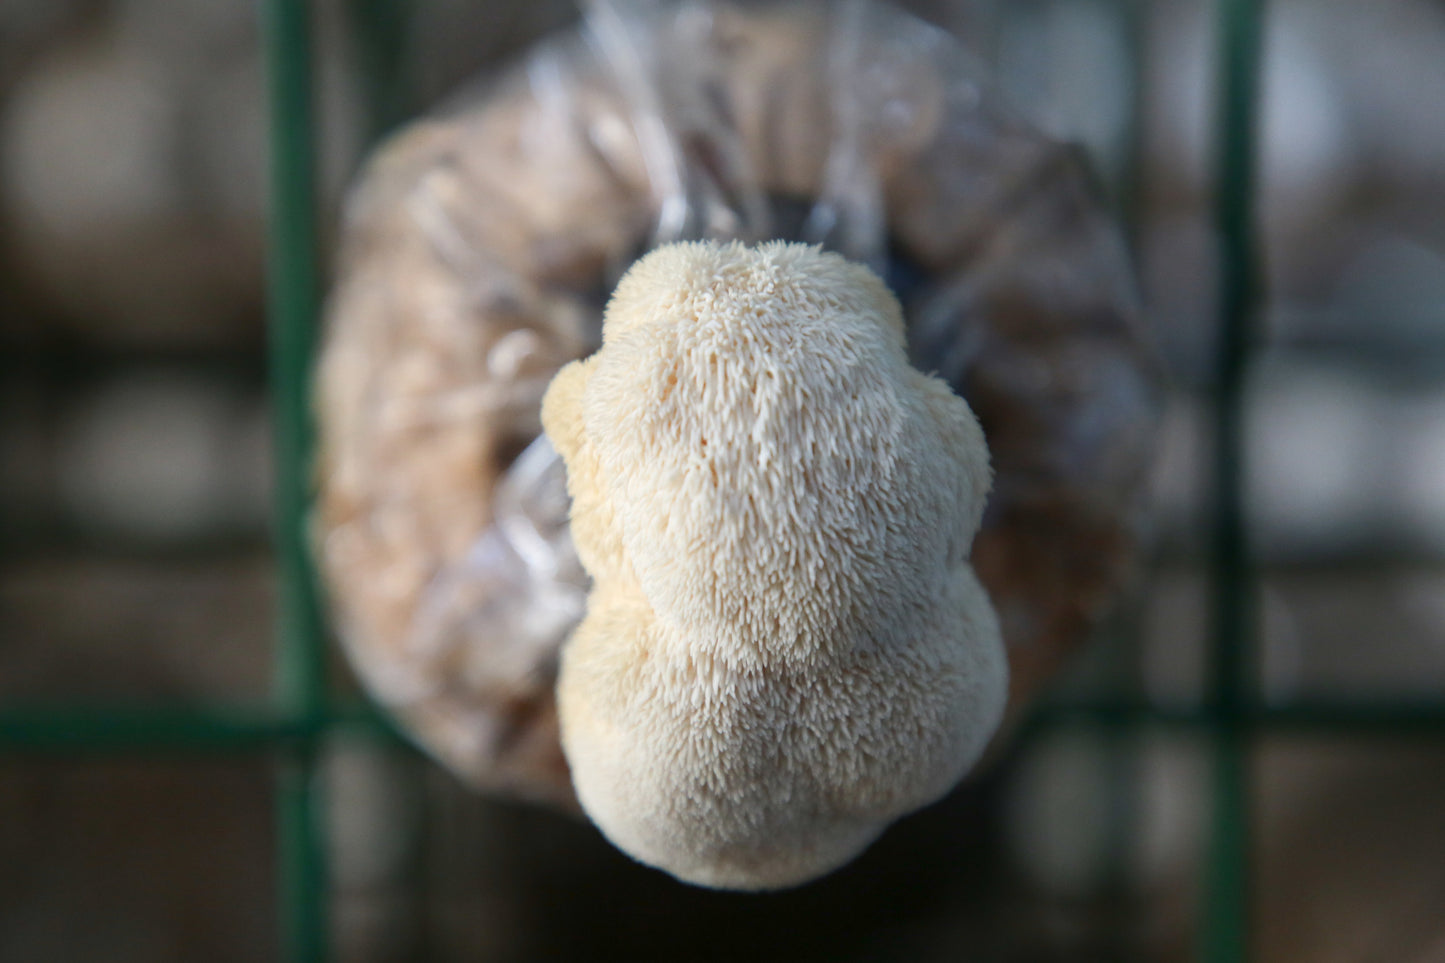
x: 785, y: 646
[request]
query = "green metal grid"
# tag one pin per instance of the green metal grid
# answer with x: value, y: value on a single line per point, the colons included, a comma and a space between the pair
x: 302, y: 716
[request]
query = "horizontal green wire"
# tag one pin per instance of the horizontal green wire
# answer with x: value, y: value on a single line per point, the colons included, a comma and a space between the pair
x: 1318, y: 717
x: 86, y: 730
x: 89, y: 730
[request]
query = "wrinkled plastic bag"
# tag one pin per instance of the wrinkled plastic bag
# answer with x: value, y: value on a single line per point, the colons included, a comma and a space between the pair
x: 480, y: 245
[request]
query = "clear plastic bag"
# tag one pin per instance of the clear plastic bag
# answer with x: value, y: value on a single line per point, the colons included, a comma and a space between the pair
x: 479, y: 247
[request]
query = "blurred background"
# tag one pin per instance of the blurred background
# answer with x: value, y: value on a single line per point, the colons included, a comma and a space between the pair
x: 135, y: 490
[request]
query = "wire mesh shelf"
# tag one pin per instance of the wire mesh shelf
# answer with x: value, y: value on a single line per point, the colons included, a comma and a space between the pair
x: 304, y: 714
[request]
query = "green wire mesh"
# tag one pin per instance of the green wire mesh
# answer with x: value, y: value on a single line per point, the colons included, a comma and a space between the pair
x: 302, y: 716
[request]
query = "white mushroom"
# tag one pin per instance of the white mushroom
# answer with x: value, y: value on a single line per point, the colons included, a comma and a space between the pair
x: 785, y: 647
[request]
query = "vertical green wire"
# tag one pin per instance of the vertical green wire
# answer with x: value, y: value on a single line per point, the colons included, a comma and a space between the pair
x: 293, y: 300
x: 1226, y: 924
x: 1131, y: 18
x: 1122, y: 745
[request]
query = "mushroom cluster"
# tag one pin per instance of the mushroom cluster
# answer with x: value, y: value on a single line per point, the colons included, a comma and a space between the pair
x: 785, y: 647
